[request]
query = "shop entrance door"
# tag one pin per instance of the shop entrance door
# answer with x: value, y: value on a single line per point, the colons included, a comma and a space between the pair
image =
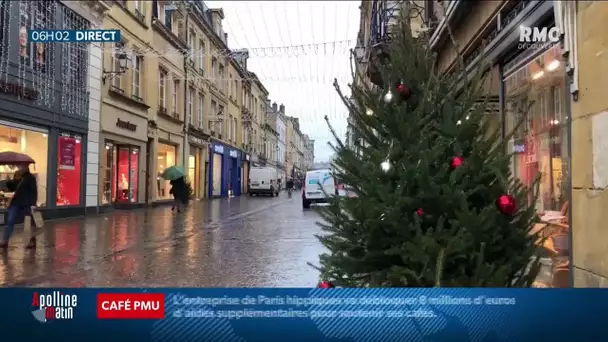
x: 217, y: 175
x: 127, y: 170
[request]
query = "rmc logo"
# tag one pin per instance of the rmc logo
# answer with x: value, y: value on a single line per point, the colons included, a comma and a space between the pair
x: 537, y: 37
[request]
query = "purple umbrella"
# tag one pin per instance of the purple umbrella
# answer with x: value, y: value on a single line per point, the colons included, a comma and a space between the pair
x: 14, y: 158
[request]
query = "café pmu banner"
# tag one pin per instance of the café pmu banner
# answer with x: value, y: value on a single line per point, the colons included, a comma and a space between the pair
x: 304, y: 314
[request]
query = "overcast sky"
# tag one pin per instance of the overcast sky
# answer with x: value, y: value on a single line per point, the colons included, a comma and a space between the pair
x: 297, y: 48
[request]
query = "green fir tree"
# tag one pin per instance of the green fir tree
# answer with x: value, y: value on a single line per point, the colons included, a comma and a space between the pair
x: 419, y: 220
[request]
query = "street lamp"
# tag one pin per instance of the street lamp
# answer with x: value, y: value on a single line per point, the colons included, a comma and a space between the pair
x: 123, y: 63
x: 219, y: 117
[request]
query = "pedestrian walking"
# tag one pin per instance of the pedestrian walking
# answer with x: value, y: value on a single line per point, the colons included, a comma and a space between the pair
x: 25, y: 195
x: 179, y: 192
x: 289, y: 186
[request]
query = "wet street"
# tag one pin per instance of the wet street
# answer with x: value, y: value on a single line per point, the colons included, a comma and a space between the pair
x: 238, y: 242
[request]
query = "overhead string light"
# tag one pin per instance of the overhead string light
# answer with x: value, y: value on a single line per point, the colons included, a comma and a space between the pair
x: 24, y: 47
x: 47, y: 59
x: 36, y: 57
x: 335, y: 47
x: 5, y: 6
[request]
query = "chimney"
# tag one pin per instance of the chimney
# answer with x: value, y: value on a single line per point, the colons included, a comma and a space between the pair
x: 274, y: 106
x: 282, y: 109
x: 226, y: 38
x: 268, y: 103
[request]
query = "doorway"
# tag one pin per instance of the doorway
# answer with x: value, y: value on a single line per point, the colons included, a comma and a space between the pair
x: 127, y: 174
x: 216, y: 183
x: 206, y: 187
x: 234, y: 177
x: 149, y: 183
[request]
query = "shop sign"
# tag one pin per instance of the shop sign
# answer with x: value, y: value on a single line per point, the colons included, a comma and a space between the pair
x: 18, y: 90
x: 519, y: 148
x: 218, y: 149
x: 234, y: 154
x: 126, y: 125
x: 67, y: 153
x: 197, y: 141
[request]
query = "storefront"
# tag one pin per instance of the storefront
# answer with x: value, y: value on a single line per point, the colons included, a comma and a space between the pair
x: 122, y: 159
x: 45, y: 108
x: 196, y: 164
x: 59, y: 152
x: 534, y: 105
x: 166, y: 150
x: 225, y: 170
x: 245, y: 172
x: 166, y: 156
x: 62, y: 187
x: 540, y: 143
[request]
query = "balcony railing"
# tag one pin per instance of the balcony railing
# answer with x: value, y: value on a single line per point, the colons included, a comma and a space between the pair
x: 385, y: 15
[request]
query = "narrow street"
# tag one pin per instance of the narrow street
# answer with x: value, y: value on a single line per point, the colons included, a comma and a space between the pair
x: 238, y: 242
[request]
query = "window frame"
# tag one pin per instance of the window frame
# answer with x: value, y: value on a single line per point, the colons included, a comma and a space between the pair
x: 136, y: 76
x: 201, y: 107
x: 163, y: 75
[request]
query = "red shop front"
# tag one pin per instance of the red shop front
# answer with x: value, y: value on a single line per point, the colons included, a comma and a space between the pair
x: 121, y: 169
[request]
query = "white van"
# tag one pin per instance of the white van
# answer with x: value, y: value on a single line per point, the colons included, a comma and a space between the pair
x: 263, y: 181
x: 317, y: 186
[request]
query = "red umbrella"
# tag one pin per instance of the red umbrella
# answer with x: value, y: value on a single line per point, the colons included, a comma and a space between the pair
x: 13, y: 158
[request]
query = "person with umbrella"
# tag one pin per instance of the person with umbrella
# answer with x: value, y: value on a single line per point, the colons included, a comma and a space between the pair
x: 25, y: 196
x: 176, y: 175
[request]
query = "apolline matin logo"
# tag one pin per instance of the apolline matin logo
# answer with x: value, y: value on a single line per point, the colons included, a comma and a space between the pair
x: 53, y: 306
x: 537, y: 37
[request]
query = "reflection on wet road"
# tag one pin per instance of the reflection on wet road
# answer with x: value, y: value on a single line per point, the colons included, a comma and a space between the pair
x: 238, y: 242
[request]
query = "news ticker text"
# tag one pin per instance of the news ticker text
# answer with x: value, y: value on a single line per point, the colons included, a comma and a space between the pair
x: 178, y: 305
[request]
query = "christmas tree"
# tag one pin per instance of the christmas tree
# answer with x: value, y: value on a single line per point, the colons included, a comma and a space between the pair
x: 436, y: 202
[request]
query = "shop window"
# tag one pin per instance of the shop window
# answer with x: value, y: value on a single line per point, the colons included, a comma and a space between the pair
x: 536, y: 95
x: 540, y: 143
x: 34, y: 144
x: 166, y: 158
x: 69, y: 168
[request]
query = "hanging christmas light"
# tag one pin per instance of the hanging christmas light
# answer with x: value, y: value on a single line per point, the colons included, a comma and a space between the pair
x: 5, y: 30
x: 385, y: 165
x: 388, y: 97
x: 369, y: 112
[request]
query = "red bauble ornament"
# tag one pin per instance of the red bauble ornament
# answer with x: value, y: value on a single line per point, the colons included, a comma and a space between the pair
x: 403, y: 91
x: 506, y: 204
x: 325, y: 285
x: 456, y: 162
x: 420, y: 212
